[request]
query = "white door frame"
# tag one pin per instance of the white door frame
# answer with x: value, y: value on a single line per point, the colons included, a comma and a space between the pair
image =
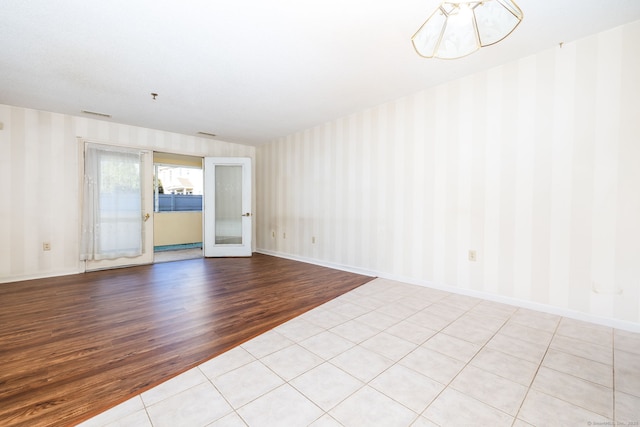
x: 211, y: 249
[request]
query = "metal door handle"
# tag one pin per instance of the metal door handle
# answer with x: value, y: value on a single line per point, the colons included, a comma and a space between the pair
x: 146, y: 217
x: 247, y: 214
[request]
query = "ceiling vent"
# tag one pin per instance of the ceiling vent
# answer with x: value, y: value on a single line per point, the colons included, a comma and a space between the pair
x: 209, y: 134
x: 93, y: 113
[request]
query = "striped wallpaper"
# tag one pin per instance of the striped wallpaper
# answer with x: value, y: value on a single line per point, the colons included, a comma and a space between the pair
x: 40, y: 185
x: 534, y: 164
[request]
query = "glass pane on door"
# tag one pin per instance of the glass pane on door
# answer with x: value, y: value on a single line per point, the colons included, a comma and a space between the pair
x: 227, y: 207
x: 228, y: 200
x: 117, y: 227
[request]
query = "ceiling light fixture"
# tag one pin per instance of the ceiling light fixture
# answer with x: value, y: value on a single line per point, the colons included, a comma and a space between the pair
x: 457, y: 29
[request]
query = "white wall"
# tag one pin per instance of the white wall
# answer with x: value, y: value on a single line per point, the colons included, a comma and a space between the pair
x: 534, y: 164
x: 39, y: 177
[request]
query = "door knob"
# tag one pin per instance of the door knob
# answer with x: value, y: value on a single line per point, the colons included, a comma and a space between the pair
x: 247, y: 214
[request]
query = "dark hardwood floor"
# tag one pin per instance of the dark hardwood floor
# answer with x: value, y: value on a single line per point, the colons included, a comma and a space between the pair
x: 73, y: 346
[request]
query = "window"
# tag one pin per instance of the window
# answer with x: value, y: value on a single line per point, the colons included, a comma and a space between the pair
x: 112, y: 203
x: 177, y: 188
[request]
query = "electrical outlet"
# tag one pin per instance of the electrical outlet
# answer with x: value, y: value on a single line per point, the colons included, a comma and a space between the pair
x: 284, y: 235
x: 273, y: 234
x: 472, y: 256
x: 46, y: 246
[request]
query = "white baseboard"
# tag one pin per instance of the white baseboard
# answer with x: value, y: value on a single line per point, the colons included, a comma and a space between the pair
x: 532, y: 305
x: 46, y: 275
x: 321, y: 263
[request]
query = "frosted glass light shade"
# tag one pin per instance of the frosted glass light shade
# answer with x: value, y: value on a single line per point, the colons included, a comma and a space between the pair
x: 457, y: 29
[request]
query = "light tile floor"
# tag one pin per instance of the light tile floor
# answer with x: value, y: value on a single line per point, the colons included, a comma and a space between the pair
x: 392, y: 354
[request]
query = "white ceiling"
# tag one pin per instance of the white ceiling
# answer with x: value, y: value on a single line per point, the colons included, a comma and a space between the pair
x: 253, y: 70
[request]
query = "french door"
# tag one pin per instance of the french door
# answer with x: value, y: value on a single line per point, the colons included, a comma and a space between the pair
x: 227, y: 206
x: 117, y: 207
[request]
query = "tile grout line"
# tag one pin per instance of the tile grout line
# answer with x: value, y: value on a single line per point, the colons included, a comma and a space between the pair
x: 469, y: 362
x: 446, y: 386
x: 575, y: 376
x: 146, y: 411
x: 364, y: 384
x: 287, y: 382
x: 613, y: 372
x: 538, y: 368
x: 367, y: 383
x: 234, y: 410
